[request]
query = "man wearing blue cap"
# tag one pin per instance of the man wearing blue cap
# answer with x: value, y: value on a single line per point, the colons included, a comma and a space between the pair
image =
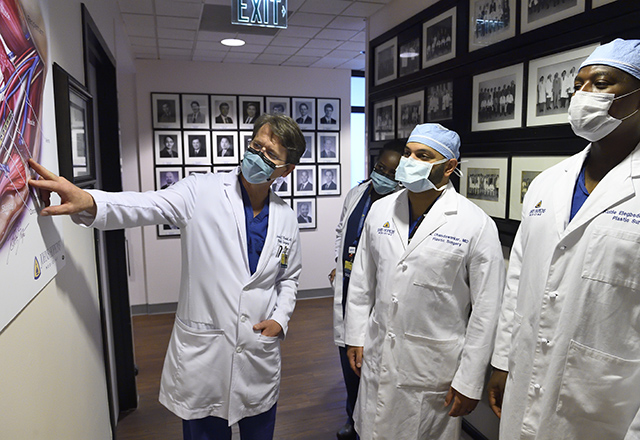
x: 568, y: 342
x: 423, y: 299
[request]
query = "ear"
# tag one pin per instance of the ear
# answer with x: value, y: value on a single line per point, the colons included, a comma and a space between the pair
x: 288, y: 169
x: 450, y: 167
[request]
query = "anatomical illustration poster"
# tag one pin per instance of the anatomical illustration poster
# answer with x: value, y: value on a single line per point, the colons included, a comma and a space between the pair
x: 31, y: 247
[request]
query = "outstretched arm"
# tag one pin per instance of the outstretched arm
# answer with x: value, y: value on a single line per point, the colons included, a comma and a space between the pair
x: 74, y: 199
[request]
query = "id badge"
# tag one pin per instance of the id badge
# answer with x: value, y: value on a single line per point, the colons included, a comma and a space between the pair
x: 284, y: 258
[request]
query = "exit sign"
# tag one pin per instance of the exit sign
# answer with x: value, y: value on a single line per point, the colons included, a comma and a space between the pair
x: 264, y: 13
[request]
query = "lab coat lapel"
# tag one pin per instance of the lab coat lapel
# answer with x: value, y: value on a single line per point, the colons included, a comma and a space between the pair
x: 231, y: 185
x: 613, y: 189
x: 400, y: 218
x: 435, y: 218
x: 563, y: 193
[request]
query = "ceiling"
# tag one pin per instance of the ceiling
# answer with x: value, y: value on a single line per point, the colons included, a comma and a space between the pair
x: 320, y: 33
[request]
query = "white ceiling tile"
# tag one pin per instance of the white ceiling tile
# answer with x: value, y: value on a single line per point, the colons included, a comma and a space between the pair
x: 256, y: 39
x: 139, y: 25
x: 176, y: 44
x: 280, y: 50
x: 178, y: 23
x: 360, y: 36
x: 178, y: 9
x: 248, y: 48
x: 328, y: 62
x: 145, y: 50
x: 325, y: 6
x: 239, y: 57
x: 346, y: 54
x: 290, y: 42
x: 323, y: 44
x: 300, y: 61
x: 143, y: 41
x: 294, y: 5
x: 354, y: 64
x: 335, y: 34
x: 347, y: 23
x: 211, y: 45
x: 210, y: 53
x: 136, y: 6
x: 299, y: 31
x: 352, y: 45
x: 313, y: 20
x: 175, y: 54
x: 177, y: 34
x: 271, y: 58
x: 362, y: 9
x: 313, y: 52
x: 208, y: 58
x: 212, y: 36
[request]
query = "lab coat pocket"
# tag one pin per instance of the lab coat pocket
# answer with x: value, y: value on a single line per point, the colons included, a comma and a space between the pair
x: 613, y: 257
x: 428, y: 363
x: 263, y: 384
x: 599, y: 388
x: 440, y: 271
x: 194, y: 361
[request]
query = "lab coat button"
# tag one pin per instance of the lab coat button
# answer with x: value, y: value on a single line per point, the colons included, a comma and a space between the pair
x: 562, y: 247
x: 545, y: 341
x: 392, y: 335
x: 404, y: 267
x: 394, y: 300
x: 238, y: 349
x: 553, y: 295
x: 243, y: 318
x: 537, y: 387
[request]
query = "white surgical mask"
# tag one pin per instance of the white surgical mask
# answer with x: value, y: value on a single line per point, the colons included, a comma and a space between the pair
x: 589, y: 114
x: 414, y: 174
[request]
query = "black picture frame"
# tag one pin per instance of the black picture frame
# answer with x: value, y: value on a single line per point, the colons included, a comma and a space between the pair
x: 74, y: 128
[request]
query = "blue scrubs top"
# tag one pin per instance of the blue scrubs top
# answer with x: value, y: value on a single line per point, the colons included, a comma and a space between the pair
x: 256, y: 228
x: 580, y: 195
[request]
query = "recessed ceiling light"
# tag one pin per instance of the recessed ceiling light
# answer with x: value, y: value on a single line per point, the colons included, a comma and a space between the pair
x: 233, y: 42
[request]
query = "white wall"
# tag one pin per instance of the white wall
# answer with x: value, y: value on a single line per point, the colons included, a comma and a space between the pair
x: 162, y: 256
x: 52, y: 370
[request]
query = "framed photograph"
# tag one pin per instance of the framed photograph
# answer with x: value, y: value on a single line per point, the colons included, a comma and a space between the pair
x: 225, y: 147
x: 167, y: 147
x: 278, y: 105
x: 251, y: 108
x: 74, y: 125
x: 309, y: 155
x: 305, y: 210
x: 551, y: 86
x: 542, y: 13
x: 197, y: 170
x: 410, y: 112
x: 328, y: 147
x: 282, y: 186
x: 328, y: 114
x: 289, y: 202
x: 329, y: 184
x: 245, y: 140
x: 439, y: 39
x: 484, y: 182
x: 440, y: 101
x: 223, y: 169
x: 409, y: 51
x: 197, y: 147
x: 195, y: 111
x: 598, y: 3
x: 384, y: 120
x: 523, y: 171
x: 165, y: 108
x: 490, y: 22
x: 304, y: 180
x: 224, y: 112
x: 385, y: 56
x: 167, y: 176
x: 497, y: 99
x: 304, y: 112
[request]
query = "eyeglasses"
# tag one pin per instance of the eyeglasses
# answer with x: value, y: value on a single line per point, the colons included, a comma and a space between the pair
x: 267, y: 155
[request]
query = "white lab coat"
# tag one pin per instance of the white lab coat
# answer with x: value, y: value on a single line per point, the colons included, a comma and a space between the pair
x: 350, y: 203
x: 216, y: 364
x: 409, y: 307
x: 569, y: 331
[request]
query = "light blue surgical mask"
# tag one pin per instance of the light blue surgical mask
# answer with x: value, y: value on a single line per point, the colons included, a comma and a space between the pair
x: 414, y: 174
x: 254, y: 169
x: 382, y: 184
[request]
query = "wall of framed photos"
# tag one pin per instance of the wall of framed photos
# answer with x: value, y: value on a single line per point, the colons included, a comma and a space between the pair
x: 238, y: 84
x: 200, y: 133
x: 500, y: 73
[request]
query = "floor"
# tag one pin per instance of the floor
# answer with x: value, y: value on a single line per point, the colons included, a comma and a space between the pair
x: 311, y: 405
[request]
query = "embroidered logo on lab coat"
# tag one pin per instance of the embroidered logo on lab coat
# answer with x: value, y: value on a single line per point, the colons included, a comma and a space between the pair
x: 386, y: 229
x: 537, y: 210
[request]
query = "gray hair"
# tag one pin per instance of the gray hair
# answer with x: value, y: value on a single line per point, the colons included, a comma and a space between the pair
x: 287, y: 131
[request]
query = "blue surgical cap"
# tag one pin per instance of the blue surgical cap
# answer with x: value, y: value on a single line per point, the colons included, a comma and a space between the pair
x: 621, y: 54
x: 441, y: 139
